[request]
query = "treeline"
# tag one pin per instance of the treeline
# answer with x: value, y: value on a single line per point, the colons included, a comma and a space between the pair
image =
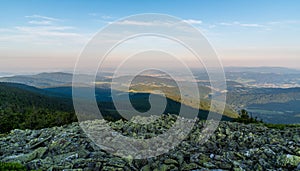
x: 23, y: 107
x: 244, y: 117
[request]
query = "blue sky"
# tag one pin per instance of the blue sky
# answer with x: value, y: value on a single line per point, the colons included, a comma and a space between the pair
x: 35, y: 35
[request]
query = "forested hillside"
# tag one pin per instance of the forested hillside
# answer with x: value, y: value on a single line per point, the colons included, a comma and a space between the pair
x: 23, y: 107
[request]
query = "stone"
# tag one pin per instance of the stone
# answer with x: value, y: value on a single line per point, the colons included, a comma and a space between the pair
x: 218, y: 157
x: 110, y: 168
x: 238, y: 169
x: 164, y: 167
x: 225, y: 165
x: 171, y: 161
x: 117, y: 162
x: 27, y: 157
x: 232, y: 146
x: 146, y: 168
x: 190, y: 166
x: 40, y: 143
x: 209, y: 165
x: 291, y: 160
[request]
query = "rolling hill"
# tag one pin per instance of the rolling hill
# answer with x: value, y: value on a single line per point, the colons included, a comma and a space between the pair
x: 272, y: 105
x: 46, y: 80
x: 141, y: 84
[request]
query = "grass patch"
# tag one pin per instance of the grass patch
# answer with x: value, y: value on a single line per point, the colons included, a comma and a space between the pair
x: 12, y: 166
x: 281, y: 126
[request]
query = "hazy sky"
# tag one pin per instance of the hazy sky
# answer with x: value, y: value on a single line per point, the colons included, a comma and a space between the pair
x: 49, y: 35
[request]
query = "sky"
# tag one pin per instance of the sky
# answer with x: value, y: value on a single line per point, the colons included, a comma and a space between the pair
x: 49, y: 35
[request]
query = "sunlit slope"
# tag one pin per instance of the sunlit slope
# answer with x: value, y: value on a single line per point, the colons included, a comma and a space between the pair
x: 148, y: 84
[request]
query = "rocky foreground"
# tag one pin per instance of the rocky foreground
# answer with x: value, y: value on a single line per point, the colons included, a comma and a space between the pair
x: 233, y: 146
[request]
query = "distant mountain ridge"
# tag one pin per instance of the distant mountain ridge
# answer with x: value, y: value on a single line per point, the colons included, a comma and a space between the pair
x: 281, y: 70
x: 45, y: 80
x: 41, y: 80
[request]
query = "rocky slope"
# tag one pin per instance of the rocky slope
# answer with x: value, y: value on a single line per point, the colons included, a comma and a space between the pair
x: 233, y: 146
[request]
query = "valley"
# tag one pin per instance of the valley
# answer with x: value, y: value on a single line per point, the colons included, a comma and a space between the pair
x: 271, y: 105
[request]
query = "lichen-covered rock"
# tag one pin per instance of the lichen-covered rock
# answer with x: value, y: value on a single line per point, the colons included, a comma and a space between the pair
x: 233, y: 146
x: 190, y: 166
x: 289, y: 160
x: 38, y: 153
x: 171, y: 161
